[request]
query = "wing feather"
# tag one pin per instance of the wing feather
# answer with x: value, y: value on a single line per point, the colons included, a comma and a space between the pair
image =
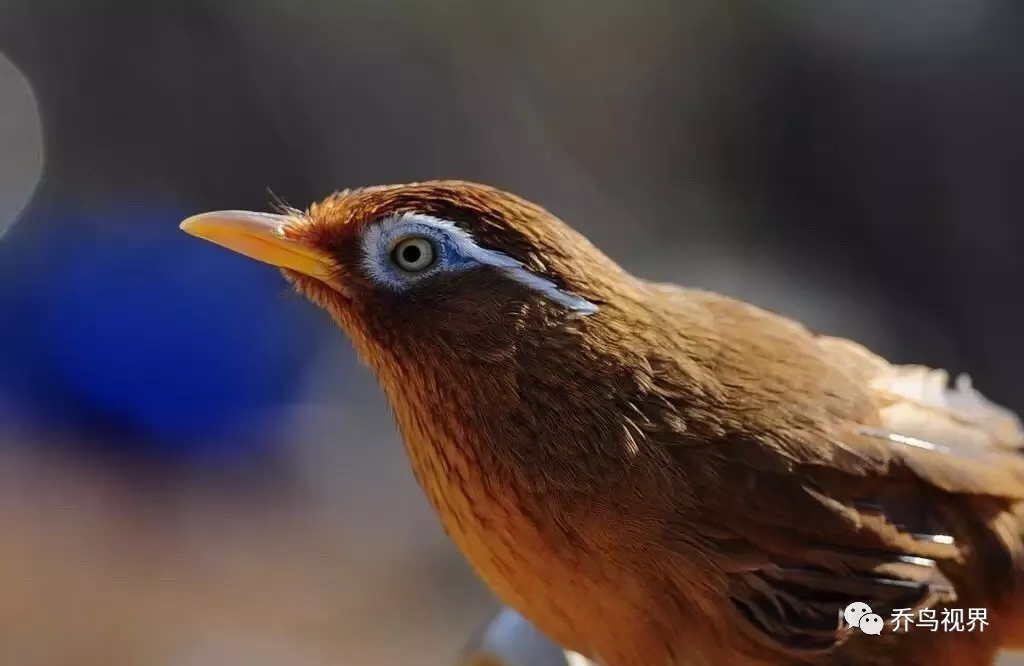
x: 865, y: 487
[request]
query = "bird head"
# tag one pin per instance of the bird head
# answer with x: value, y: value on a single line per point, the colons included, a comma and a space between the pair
x: 447, y: 264
x: 463, y: 299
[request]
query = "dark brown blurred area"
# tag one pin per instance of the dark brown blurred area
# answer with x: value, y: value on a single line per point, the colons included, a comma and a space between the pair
x: 195, y: 471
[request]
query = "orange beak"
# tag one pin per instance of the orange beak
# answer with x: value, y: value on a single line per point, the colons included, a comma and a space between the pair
x: 260, y: 236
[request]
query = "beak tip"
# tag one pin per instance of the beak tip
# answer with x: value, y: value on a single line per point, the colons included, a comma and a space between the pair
x: 194, y: 224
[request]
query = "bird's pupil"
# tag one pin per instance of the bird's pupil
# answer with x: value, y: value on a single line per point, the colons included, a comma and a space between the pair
x: 411, y: 254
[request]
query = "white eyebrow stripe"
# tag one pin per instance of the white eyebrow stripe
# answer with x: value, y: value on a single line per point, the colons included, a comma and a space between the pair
x: 467, y: 247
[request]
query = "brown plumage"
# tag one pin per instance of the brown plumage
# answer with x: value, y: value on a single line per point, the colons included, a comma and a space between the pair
x: 657, y: 475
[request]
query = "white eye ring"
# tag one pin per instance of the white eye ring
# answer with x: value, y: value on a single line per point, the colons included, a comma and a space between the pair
x: 414, y: 254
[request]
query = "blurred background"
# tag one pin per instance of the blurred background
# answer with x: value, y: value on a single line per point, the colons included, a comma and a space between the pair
x: 195, y: 470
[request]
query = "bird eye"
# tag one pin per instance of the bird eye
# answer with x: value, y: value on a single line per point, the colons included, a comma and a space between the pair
x: 414, y: 254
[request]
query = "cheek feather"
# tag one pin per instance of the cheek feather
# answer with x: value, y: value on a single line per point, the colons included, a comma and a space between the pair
x: 457, y: 251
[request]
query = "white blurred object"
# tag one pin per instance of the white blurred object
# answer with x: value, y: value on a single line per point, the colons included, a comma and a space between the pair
x: 509, y: 640
x: 21, y: 143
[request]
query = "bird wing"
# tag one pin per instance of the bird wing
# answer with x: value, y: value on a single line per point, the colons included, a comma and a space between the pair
x: 879, y: 497
x: 798, y: 544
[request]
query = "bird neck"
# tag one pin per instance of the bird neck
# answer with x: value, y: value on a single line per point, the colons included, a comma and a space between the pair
x: 550, y: 408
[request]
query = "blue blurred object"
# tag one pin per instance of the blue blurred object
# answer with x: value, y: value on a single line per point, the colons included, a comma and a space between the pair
x: 160, y: 333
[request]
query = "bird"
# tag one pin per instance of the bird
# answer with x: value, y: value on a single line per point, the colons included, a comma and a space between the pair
x: 656, y: 475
